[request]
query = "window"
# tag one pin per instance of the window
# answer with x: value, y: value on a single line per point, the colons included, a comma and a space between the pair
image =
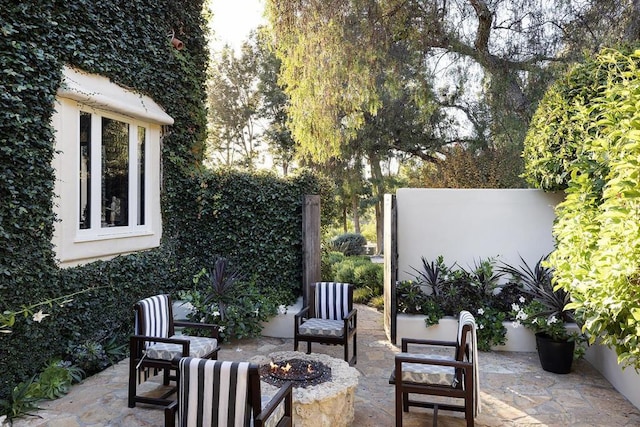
x: 116, y: 151
x: 109, y: 202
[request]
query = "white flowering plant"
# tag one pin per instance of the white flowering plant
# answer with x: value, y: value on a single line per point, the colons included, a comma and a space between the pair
x: 536, y: 317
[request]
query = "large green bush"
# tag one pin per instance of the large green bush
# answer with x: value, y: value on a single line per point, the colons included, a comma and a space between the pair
x: 598, y: 226
x: 349, y: 244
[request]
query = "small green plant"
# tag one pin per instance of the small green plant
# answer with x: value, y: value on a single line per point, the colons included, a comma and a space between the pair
x: 22, y: 401
x: 491, y: 330
x: 230, y: 301
x: 377, y: 302
x: 56, y: 379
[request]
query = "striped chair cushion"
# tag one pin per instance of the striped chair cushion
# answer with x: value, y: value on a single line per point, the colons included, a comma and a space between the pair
x: 213, y: 393
x: 332, y: 300
x: 155, y: 317
x: 326, y: 327
x: 216, y: 393
x: 198, y: 347
x: 429, y: 374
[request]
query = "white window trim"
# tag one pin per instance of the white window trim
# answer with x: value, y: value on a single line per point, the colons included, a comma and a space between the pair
x: 100, y: 97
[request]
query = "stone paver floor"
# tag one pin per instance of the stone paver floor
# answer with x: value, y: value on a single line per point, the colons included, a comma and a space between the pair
x: 515, y: 391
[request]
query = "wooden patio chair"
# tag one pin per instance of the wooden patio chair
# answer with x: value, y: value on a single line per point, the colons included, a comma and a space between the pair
x: 453, y: 375
x: 156, y: 347
x: 333, y: 321
x: 226, y: 394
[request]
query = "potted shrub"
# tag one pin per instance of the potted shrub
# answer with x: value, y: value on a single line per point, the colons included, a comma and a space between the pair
x: 545, y: 314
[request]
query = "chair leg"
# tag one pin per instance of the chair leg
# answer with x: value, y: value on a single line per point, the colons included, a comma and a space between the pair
x: 355, y: 348
x: 399, y: 404
x: 133, y: 382
x: 308, y: 347
x: 165, y: 376
x: 346, y: 351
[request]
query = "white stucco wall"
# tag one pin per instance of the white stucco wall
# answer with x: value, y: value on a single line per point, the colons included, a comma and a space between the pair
x: 467, y: 225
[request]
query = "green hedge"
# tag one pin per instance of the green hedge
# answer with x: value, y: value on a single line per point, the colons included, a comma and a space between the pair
x: 127, y: 43
x: 597, y: 145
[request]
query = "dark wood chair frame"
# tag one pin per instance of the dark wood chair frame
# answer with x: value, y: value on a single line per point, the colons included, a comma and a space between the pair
x: 284, y: 394
x: 464, y: 374
x: 138, y: 359
x: 349, y: 332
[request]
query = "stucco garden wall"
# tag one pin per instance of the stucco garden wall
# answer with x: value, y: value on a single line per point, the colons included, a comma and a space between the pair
x: 465, y: 225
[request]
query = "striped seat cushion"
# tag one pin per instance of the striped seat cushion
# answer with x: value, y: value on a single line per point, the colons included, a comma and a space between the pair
x: 216, y: 393
x: 198, y: 347
x: 332, y: 300
x: 154, y: 321
x: 323, y: 327
x: 429, y: 374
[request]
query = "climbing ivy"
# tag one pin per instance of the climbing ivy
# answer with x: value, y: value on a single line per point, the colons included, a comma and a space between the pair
x: 129, y: 43
x: 591, y: 145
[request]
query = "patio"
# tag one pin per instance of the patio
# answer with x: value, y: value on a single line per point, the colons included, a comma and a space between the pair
x: 515, y: 391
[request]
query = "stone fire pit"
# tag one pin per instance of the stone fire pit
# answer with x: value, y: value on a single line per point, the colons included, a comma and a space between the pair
x: 329, y: 403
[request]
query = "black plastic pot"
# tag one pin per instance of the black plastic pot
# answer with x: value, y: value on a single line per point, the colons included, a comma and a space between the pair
x: 555, y: 356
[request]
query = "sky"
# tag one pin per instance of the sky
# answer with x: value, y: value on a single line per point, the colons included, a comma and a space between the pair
x: 234, y: 19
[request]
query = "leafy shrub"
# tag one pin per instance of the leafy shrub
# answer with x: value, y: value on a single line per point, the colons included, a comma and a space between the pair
x: 371, y: 275
x: 585, y: 136
x: 349, y: 244
x: 362, y: 295
x: 451, y: 289
x: 345, y: 271
x: 223, y: 296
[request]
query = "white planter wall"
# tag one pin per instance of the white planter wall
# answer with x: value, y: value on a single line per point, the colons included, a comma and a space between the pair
x: 281, y: 326
x: 412, y: 326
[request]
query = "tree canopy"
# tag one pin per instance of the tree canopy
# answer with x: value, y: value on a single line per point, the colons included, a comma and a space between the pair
x: 489, y: 61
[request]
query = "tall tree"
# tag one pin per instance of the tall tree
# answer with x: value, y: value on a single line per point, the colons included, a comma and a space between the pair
x: 233, y: 106
x: 274, y: 106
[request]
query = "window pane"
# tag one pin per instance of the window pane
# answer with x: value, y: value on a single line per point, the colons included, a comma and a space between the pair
x: 141, y: 150
x: 115, y: 173
x: 85, y: 170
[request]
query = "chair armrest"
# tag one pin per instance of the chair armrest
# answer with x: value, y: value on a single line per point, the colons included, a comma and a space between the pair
x: 409, y: 358
x: 170, y: 414
x: 300, y: 316
x: 351, y: 320
x: 407, y: 341
x: 213, y: 329
x: 285, y: 394
x: 303, y: 311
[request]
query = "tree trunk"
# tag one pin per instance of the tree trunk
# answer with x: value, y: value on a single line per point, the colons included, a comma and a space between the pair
x: 378, y: 193
x: 356, y: 214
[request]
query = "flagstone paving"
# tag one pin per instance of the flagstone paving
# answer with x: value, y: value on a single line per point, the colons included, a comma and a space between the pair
x: 515, y: 391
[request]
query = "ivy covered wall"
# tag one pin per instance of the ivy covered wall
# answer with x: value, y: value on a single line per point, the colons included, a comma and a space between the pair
x: 128, y: 42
